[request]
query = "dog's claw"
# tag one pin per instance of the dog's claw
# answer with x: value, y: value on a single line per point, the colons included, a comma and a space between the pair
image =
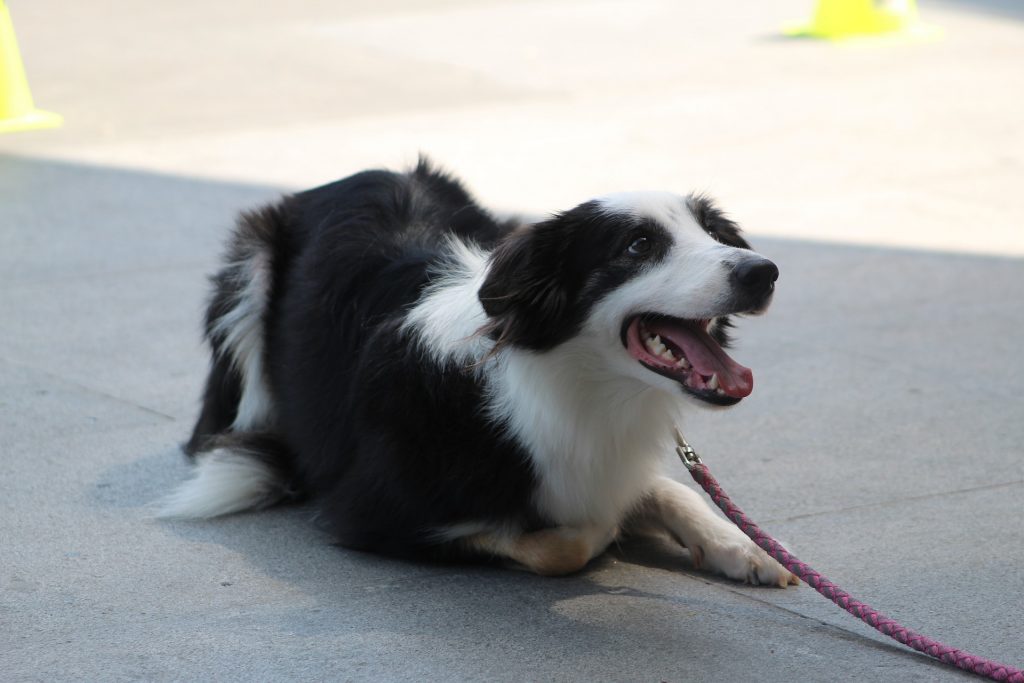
x: 697, y: 556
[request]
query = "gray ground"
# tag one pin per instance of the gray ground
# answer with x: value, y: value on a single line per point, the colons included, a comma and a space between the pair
x: 883, y: 441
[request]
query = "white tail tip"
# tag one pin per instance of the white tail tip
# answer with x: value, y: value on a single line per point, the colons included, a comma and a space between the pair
x: 225, y: 481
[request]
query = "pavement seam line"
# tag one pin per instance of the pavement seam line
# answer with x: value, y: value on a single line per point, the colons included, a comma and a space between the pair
x: 91, y: 390
x: 897, y: 501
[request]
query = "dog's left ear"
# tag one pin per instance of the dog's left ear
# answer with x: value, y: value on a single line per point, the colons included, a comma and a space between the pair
x: 528, y: 289
x: 715, y: 222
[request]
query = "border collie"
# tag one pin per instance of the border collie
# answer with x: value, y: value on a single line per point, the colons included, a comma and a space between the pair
x: 446, y: 384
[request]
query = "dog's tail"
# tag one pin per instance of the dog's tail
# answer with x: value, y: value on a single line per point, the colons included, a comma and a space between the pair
x: 234, y: 472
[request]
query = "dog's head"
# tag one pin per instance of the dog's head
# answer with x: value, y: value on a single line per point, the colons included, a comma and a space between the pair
x: 647, y: 279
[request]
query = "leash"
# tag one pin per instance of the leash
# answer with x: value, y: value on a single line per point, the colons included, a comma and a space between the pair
x: 944, y: 653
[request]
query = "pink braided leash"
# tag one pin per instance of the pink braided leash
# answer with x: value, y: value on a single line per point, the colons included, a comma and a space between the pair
x: 864, y: 612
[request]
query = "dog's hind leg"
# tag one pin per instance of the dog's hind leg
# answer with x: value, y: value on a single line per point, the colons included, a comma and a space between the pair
x: 237, y: 396
x: 549, y: 552
x: 713, y: 542
x: 220, y: 405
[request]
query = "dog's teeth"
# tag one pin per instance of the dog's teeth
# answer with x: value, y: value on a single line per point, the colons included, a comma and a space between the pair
x: 658, y: 348
x: 713, y: 382
x: 683, y: 363
x: 720, y: 392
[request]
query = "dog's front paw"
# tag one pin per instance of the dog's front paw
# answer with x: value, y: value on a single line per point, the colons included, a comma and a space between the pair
x: 728, y: 551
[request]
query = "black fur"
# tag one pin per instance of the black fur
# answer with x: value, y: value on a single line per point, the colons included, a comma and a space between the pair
x: 357, y: 399
x: 545, y: 278
x: 392, y: 445
x: 354, y: 396
x: 220, y: 406
x: 715, y: 222
x: 258, y: 234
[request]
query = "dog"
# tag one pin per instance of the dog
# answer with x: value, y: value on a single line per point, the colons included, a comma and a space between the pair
x: 448, y: 385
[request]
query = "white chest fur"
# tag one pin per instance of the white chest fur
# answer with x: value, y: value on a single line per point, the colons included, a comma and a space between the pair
x: 596, y: 436
x: 596, y: 440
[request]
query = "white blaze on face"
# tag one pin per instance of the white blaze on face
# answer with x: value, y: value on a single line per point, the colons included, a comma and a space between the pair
x: 691, y: 282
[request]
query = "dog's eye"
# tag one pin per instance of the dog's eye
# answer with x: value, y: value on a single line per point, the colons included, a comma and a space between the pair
x: 639, y: 247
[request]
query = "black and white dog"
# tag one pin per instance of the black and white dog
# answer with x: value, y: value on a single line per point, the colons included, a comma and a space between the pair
x: 445, y: 384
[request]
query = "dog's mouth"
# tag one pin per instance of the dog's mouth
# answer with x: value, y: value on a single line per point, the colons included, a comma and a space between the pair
x: 683, y: 350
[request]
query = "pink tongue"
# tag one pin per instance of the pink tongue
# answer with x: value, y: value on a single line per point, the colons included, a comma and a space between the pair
x: 707, y: 356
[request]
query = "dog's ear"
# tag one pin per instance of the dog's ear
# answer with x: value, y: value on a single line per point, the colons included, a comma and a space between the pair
x: 715, y: 222
x: 527, y: 291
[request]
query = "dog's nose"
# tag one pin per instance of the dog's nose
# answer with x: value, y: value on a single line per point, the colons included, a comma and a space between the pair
x: 756, y: 276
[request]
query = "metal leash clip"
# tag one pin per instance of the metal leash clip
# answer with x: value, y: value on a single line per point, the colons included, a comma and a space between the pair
x: 685, y: 451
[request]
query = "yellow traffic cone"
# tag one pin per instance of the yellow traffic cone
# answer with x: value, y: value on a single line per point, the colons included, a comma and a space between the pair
x: 835, y: 19
x: 17, y: 112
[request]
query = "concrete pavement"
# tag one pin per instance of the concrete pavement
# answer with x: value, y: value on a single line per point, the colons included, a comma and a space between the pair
x: 883, y: 441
